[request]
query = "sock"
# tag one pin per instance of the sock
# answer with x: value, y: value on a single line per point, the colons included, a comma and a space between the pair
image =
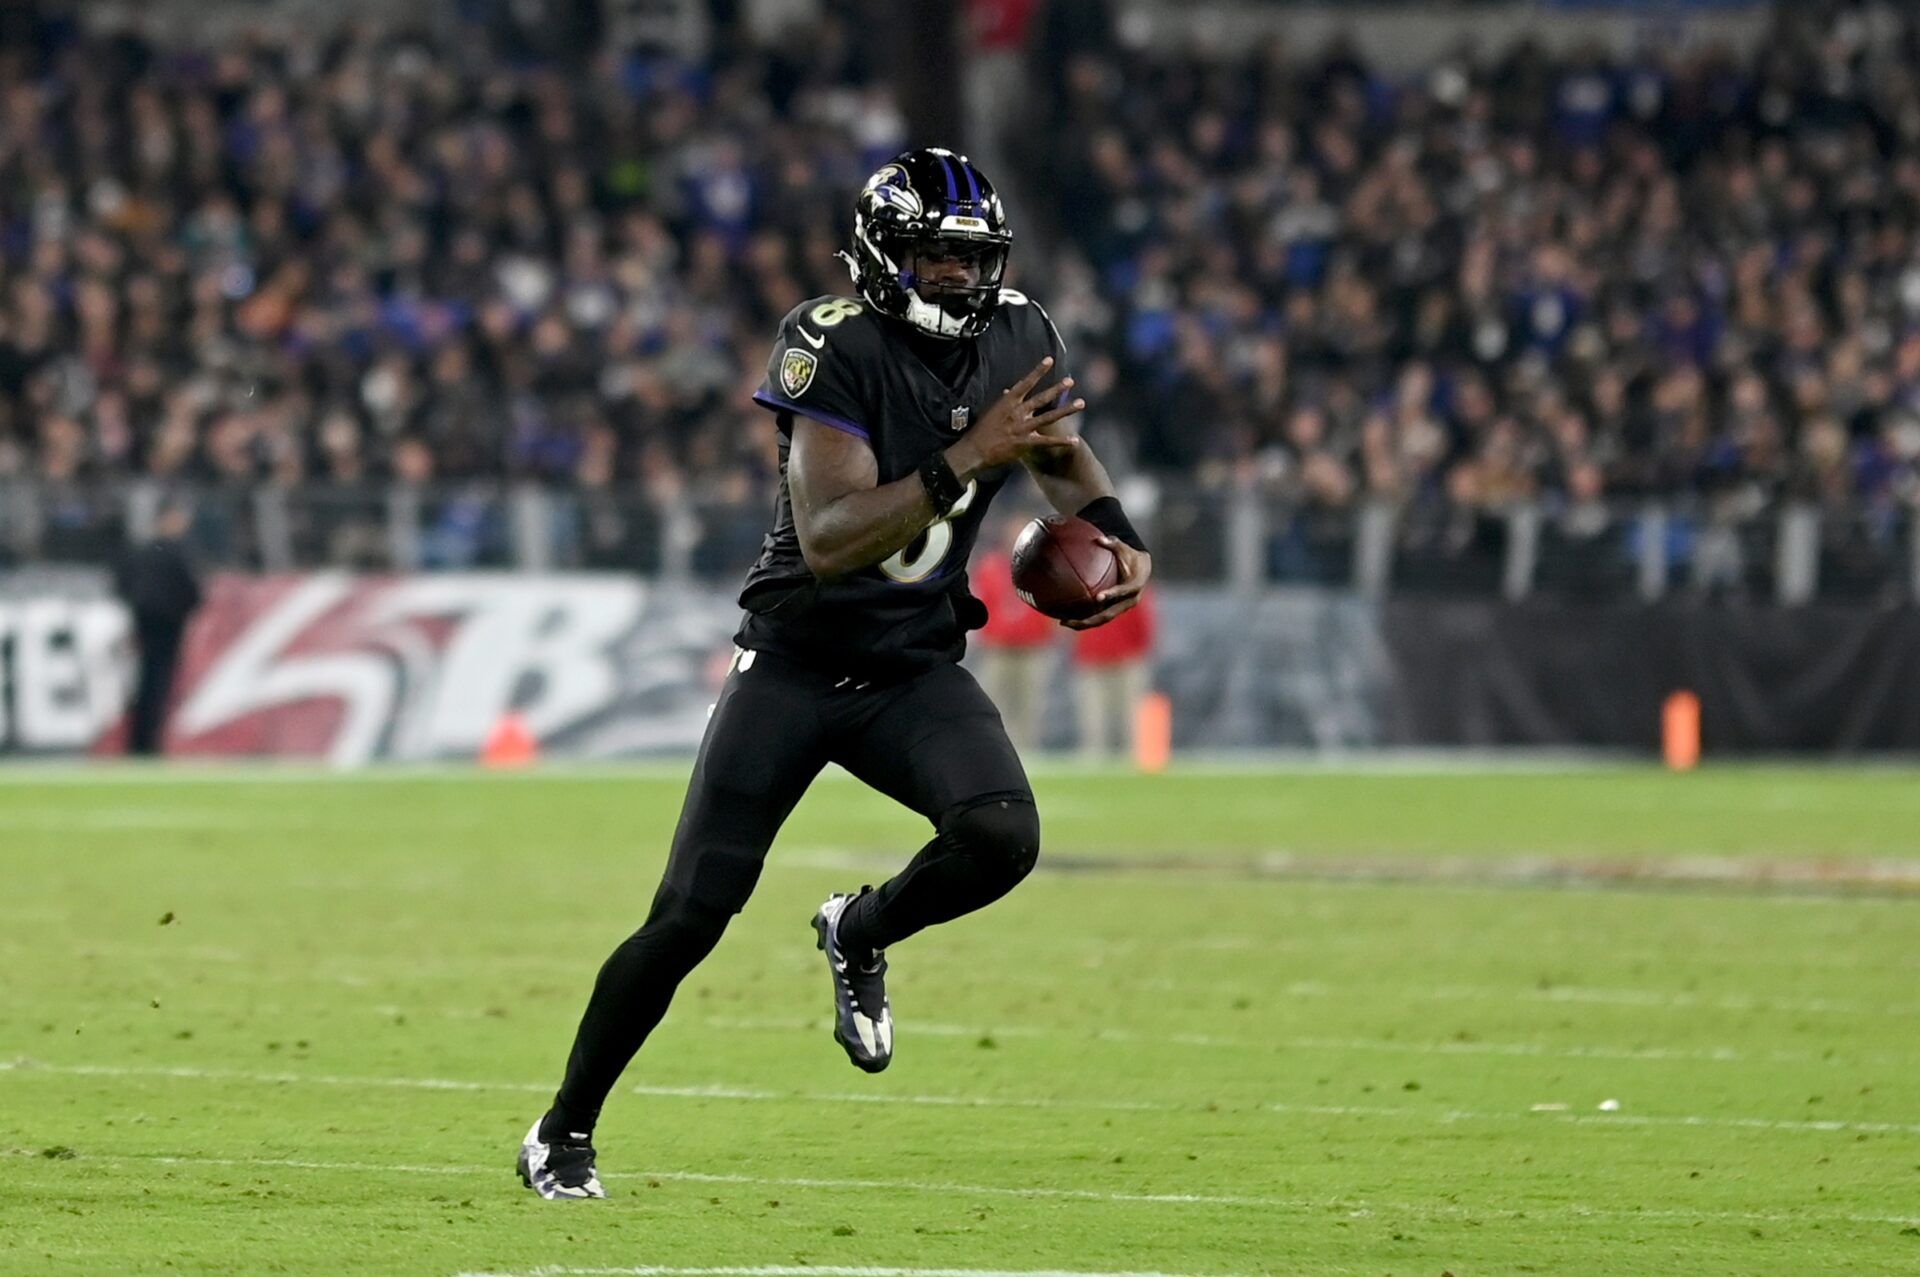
x: 845, y: 933
x: 563, y: 1125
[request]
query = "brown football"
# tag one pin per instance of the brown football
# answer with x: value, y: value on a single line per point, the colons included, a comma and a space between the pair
x: 1059, y: 566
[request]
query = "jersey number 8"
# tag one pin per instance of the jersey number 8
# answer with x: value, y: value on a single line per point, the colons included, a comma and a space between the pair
x: 922, y: 555
x: 829, y: 313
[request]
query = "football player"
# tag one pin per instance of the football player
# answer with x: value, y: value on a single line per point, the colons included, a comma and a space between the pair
x: 900, y: 413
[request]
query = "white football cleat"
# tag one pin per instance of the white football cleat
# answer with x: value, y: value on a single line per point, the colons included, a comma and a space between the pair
x: 562, y: 1170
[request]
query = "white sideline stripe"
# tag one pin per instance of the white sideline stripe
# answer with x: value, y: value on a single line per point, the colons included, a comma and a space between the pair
x: 1386, y: 1046
x: 1249, y: 763
x: 935, y: 1101
x: 1649, y: 999
x: 145, y: 820
x: 1523, y: 1050
x: 721, y: 1092
x: 114, y: 772
x: 701, y: 1177
x: 787, y: 1270
x: 1652, y: 999
x: 1846, y: 878
x: 191, y: 1074
x: 1657, y: 999
x: 706, y: 1092
x: 1352, y: 1208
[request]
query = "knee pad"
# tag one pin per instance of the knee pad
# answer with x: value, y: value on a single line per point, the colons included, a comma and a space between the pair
x: 1000, y: 830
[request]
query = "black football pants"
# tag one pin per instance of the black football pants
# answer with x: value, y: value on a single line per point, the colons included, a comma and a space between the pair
x: 933, y: 743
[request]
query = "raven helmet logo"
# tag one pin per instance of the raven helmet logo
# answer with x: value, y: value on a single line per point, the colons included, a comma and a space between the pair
x: 796, y: 372
x: 889, y: 186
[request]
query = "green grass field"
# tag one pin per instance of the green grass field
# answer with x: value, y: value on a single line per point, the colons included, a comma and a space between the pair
x: 299, y: 1024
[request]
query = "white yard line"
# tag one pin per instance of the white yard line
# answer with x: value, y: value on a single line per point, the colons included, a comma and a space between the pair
x: 698, y: 1177
x: 713, y: 1092
x: 1648, y: 999
x: 1651, y: 999
x: 1845, y: 880
x: 1387, y: 1046
x: 141, y: 820
x: 1251, y: 763
x: 1351, y: 1208
x: 753, y: 1094
x: 249, y: 969
x: 810, y: 1270
x: 275, y: 1078
x: 109, y: 773
x: 1374, y: 1046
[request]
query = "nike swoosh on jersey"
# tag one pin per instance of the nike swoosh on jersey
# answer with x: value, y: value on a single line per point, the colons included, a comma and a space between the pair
x: 818, y: 343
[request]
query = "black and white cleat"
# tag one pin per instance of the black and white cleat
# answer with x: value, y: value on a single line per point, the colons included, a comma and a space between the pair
x: 862, y: 1017
x: 559, y: 1170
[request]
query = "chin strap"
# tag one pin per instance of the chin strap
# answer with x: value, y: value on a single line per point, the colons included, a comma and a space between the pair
x: 934, y: 319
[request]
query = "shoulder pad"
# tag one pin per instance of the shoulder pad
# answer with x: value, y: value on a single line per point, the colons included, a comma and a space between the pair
x: 818, y: 362
x: 1030, y: 319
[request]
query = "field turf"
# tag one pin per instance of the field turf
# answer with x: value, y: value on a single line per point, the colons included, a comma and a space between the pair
x: 1293, y: 1023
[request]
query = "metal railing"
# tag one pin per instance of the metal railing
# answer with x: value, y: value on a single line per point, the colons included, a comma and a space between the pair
x: 1240, y: 536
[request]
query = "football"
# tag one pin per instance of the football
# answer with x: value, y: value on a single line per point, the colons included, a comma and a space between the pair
x: 1059, y: 567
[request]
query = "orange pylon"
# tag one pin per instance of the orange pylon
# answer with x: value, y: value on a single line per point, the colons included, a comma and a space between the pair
x: 1680, y: 731
x: 1153, y: 732
x: 511, y: 743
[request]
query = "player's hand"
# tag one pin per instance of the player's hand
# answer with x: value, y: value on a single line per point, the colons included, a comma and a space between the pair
x: 1136, y: 568
x: 1014, y: 428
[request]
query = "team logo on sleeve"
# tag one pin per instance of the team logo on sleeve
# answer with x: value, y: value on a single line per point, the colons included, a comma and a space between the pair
x: 796, y: 372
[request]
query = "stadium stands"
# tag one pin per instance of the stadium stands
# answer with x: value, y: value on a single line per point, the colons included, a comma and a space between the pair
x: 1569, y: 323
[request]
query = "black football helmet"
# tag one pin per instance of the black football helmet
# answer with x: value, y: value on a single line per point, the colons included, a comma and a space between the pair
x: 930, y: 202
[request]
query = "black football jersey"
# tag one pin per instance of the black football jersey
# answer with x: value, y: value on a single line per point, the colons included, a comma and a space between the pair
x: 848, y: 367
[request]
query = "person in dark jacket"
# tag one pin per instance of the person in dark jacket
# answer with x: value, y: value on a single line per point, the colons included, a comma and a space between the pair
x: 158, y: 585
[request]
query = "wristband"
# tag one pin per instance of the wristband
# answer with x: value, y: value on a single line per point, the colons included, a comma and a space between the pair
x: 943, y: 486
x: 1105, y: 513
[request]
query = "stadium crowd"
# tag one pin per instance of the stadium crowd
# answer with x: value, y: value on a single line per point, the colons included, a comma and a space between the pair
x: 377, y: 255
x: 1683, y: 274
x: 366, y: 256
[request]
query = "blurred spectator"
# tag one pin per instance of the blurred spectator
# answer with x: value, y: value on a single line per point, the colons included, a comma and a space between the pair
x: 1113, y: 669
x: 1016, y: 646
x: 1313, y: 480
x: 1502, y: 274
x: 530, y: 254
x: 320, y: 255
x: 157, y: 583
x: 1583, y: 550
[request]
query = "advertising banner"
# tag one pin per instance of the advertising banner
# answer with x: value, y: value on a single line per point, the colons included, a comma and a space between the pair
x: 351, y: 670
x: 357, y: 669
x: 1775, y: 680
x: 65, y: 671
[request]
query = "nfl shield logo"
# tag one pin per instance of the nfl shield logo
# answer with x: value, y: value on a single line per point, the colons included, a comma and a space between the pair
x: 796, y: 372
x: 959, y: 419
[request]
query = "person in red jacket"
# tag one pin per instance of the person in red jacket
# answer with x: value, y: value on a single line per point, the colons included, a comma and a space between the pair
x: 1016, y: 645
x: 1113, y: 669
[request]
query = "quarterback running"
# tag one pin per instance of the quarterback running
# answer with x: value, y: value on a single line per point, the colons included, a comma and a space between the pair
x: 900, y: 412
